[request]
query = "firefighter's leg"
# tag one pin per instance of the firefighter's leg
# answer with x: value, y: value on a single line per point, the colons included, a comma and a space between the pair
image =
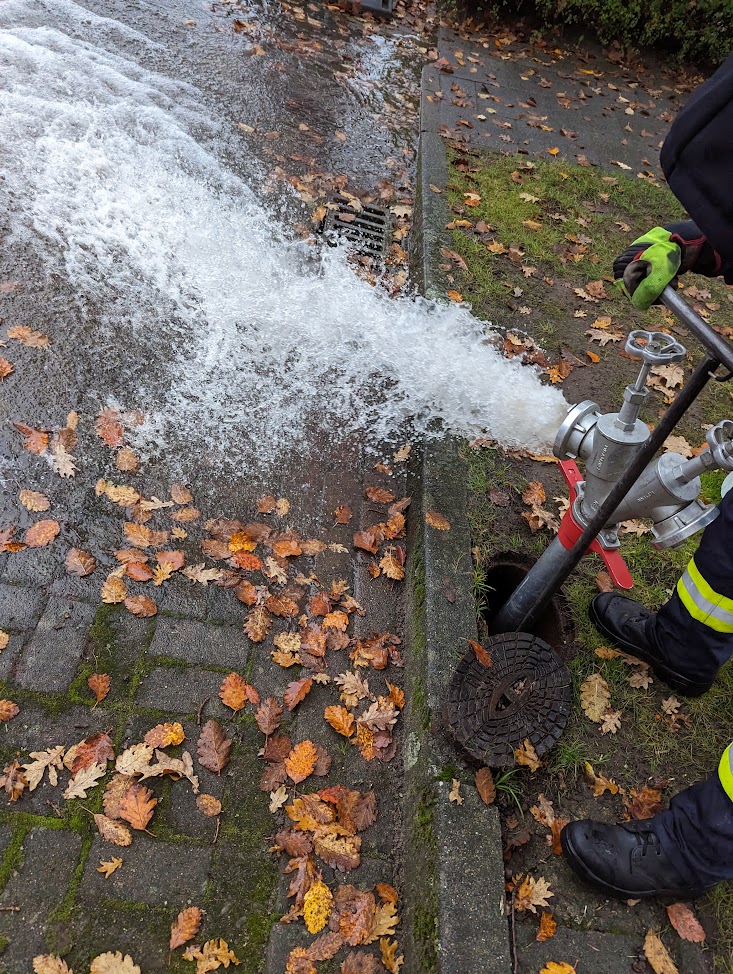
x: 681, y: 852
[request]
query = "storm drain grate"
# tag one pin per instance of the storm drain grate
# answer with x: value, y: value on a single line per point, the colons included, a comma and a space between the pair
x: 383, y: 7
x: 524, y: 695
x: 369, y: 229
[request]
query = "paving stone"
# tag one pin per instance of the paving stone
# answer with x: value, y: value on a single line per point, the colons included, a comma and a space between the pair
x: 10, y: 656
x: 50, y: 658
x: 50, y: 857
x: 33, y: 566
x: 34, y: 729
x: 20, y: 607
x: 137, y: 930
x: 223, y: 606
x: 6, y: 834
x: 182, y: 690
x: 154, y: 871
x: 182, y: 597
x: 197, y: 642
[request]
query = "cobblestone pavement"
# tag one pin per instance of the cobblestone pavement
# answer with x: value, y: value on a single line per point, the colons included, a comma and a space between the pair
x: 170, y: 667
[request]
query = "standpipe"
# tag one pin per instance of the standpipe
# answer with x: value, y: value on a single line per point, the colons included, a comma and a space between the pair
x: 622, y: 478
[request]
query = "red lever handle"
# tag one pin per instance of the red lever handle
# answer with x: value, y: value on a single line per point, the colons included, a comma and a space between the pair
x: 570, y: 531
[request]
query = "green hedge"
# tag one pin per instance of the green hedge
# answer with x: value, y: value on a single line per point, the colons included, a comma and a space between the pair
x: 697, y: 30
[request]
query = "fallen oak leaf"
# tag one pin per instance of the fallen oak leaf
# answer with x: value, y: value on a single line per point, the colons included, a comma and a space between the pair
x: 454, y: 795
x: 527, y: 756
x: 84, y: 779
x: 113, y: 963
x: 34, y: 501
x: 50, y: 964
x: 113, y: 831
x: 107, y: 867
x: 137, y: 806
x: 295, y: 693
x: 8, y: 710
x: 532, y: 893
x: 185, y: 926
x: 595, y: 697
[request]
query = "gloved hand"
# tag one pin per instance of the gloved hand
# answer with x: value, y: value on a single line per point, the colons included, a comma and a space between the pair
x: 655, y: 259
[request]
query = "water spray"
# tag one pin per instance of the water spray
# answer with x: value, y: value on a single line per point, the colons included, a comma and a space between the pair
x: 623, y: 480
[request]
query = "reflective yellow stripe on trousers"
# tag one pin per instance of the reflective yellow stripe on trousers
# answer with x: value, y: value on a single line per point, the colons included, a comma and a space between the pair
x: 725, y: 771
x: 703, y: 603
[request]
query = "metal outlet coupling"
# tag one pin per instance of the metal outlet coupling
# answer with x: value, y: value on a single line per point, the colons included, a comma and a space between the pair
x: 575, y: 437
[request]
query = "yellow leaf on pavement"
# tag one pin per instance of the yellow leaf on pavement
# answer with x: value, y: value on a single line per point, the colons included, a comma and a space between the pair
x: 50, y: 964
x: 317, y: 906
x: 33, y: 500
x: 107, y: 867
x: 185, y: 926
x: 657, y: 955
x: 547, y: 929
x: 553, y: 968
x: 114, y: 963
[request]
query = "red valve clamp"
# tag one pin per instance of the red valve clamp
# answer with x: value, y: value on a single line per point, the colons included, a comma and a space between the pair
x: 570, y: 531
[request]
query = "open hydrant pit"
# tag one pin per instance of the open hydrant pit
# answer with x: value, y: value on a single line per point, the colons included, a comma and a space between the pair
x: 554, y: 626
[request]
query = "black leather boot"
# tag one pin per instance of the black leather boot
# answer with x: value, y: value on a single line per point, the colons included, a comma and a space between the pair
x: 626, y: 622
x: 627, y: 861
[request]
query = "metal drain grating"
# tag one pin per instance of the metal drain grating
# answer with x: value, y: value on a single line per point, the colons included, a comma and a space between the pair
x: 491, y: 710
x: 383, y: 7
x: 369, y: 230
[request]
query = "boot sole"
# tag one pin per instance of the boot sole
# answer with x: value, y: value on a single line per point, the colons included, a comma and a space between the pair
x: 673, y: 680
x: 579, y: 867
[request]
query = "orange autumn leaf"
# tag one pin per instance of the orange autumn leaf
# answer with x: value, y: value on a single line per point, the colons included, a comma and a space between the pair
x: 455, y: 296
x: 99, y: 684
x: 379, y: 495
x: 113, y: 590
x: 301, y: 761
x: 8, y: 710
x: 185, y: 926
x: 287, y: 549
x: 137, y: 806
x: 437, y: 521
x: 481, y: 654
x: 27, y: 336
x: 208, y: 805
x: 36, y: 441
x: 297, y: 691
x: 79, y: 562
x: 6, y: 368
x: 141, y: 605
x: 343, y: 514
x: 336, y: 620
x: 41, y: 533
x: 34, y: 500
x: 165, y: 735
x: 534, y: 493
x: 108, y: 427
x: 235, y: 692
x: 548, y: 926
x: 685, y: 923
x: 340, y: 719
x: 246, y: 561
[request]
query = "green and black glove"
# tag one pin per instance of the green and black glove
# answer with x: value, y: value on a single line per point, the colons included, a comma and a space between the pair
x: 655, y: 259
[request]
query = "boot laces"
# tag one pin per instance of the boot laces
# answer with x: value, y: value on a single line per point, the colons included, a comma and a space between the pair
x: 649, y: 843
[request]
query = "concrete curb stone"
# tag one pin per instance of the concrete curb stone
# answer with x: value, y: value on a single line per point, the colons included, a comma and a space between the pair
x: 454, y: 873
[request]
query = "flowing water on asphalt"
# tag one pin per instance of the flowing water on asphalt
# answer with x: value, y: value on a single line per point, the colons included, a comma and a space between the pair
x: 224, y: 328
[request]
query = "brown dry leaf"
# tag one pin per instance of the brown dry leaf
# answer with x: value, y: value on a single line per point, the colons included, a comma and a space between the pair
x: 670, y: 705
x: 41, y: 533
x: 454, y: 795
x: 481, y: 654
x: 343, y: 514
x: 534, y: 494
x: 611, y: 722
x: 257, y: 624
x: 113, y: 590
x: 79, y: 562
x: 13, y: 782
x: 685, y: 923
x: 532, y: 893
x: 113, y: 963
x: 36, y: 441
x: 208, y: 805
x: 485, y: 785
x: 112, y: 831
x: 50, y: 964
x: 379, y: 495
x: 657, y: 955
x: 269, y: 715
x: 8, y: 710
x: 296, y: 692
x: 181, y: 494
x: 141, y: 605
x: 6, y: 368
x: 199, y: 573
x: 26, y: 336
x: 107, y: 867
x: 84, y: 779
x: 388, y: 951
x: 4, y: 639
x: 641, y: 678
x: 599, y: 783
x: 547, y: 929
x: 108, y: 426
x: 214, y: 747
x: 165, y: 735
x: 341, y: 720
x: 127, y: 460
x: 527, y: 756
x: 604, y: 583
x: 644, y: 804
x: 391, y: 567
x: 50, y: 760
x: 301, y: 761
x: 185, y: 926
x: 186, y: 514
x: 595, y: 697
x: 143, y: 537
x: 33, y: 500
x: 437, y: 521
x: 235, y: 692
x: 214, y: 954
x: 99, y: 684
x: 137, y: 806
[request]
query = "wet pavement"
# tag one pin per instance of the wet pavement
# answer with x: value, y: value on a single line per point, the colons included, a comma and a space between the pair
x: 291, y: 102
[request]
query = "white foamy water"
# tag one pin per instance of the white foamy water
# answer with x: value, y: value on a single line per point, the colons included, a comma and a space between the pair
x: 113, y: 175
